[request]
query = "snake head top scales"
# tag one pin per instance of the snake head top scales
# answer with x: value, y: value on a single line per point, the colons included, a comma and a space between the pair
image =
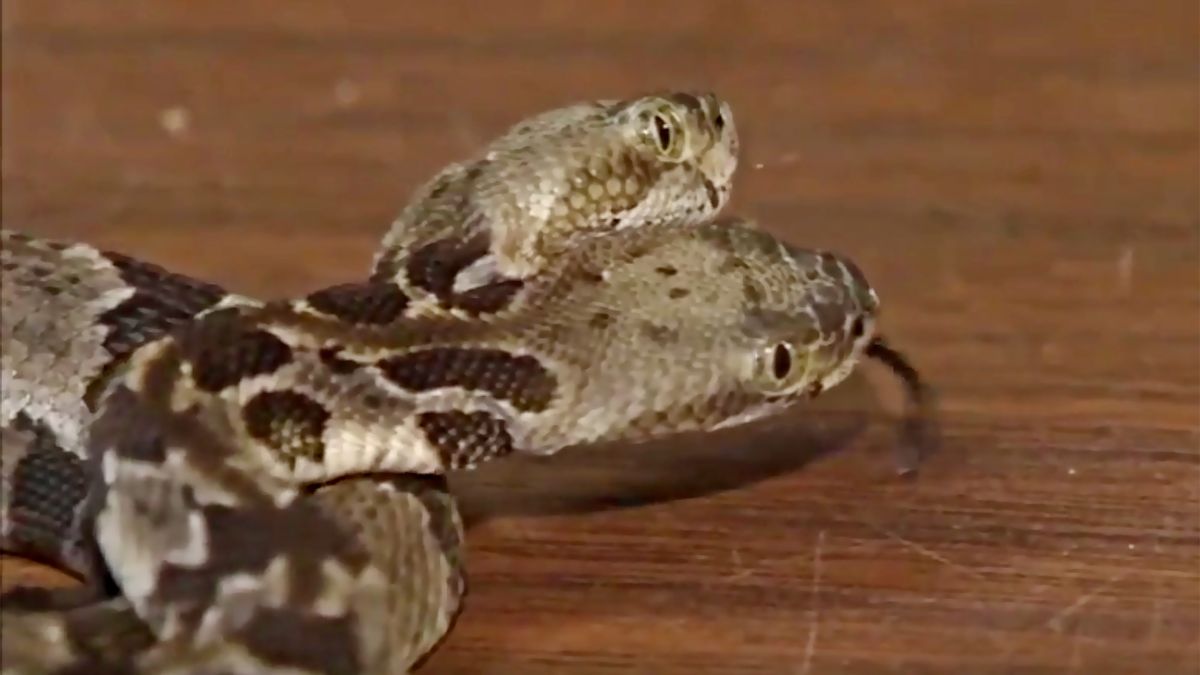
x: 565, y: 173
x: 637, y: 334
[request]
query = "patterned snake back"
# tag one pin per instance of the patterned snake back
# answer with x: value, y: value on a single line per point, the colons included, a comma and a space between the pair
x: 264, y: 481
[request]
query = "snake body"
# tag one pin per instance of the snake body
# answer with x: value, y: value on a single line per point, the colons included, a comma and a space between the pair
x: 262, y: 483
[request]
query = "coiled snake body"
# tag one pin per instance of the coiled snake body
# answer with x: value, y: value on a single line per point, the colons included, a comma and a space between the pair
x: 261, y: 484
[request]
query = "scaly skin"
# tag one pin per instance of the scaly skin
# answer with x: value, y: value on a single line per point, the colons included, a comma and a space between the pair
x: 265, y: 480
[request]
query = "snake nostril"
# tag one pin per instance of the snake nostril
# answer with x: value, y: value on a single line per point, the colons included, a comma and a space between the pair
x: 856, y: 328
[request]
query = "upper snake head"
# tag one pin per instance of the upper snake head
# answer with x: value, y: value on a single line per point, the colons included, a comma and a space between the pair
x: 569, y: 173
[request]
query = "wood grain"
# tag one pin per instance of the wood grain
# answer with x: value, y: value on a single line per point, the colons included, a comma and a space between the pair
x: 1021, y: 181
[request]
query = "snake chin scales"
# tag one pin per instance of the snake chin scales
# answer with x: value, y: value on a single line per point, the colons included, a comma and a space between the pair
x: 260, y: 487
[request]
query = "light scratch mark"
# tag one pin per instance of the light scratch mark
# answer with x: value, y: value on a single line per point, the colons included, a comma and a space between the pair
x: 1055, y: 622
x: 1076, y: 654
x: 739, y: 568
x: 927, y: 552
x: 814, y: 625
x: 1125, y: 270
x: 1156, y: 618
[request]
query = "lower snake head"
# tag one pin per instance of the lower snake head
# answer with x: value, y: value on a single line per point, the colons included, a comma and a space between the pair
x: 666, y: 329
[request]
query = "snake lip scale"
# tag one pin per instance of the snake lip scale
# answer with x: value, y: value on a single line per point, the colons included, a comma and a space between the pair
x: 253, y: 486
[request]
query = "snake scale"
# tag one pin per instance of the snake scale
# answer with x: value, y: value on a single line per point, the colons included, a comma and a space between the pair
x: 259, y: 487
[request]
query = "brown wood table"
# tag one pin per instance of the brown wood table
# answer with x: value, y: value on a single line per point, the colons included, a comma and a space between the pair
x: 1021, y: 180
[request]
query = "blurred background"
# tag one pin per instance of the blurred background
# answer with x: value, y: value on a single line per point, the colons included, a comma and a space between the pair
x: 1020, y: 180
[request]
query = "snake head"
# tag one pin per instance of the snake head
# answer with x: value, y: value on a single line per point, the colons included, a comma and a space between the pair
x: 815, y: 343
x: 692, y: 139
x: 610, y: 165
x: 672, y: 329
x: 569, y: 173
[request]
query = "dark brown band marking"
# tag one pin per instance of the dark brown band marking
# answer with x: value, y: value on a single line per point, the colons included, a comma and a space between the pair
x: 435, y: 266
x: 288, y: 422
x: 464, y: 439
x: 521, y: 380
x: 487, y: 299
x: 246, y: 539
x: 315, y: 644
x: 48, y: 487
x: 600, y: 320
x: 332, y: 358
x: 161, y: 301
x: 361, y: 303
x: 225, y: 347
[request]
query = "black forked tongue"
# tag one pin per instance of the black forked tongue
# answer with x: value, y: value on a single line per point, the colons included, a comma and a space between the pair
x: 918, y: 435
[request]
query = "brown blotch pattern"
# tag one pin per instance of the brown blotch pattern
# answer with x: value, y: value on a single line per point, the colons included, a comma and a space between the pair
x: 361, y: 303
x: 311, y: 643
x: 464, y: 439
x: 830, y: 266
x: 666, y: 270
x: 161, y: 301
x: 48, y: 486
x: 751, y: 291
x: 589, y: 275
x: 732, y: 263
x: 434, y: 266
x: 487, y: 299
x: 677, y: 293
x: 660, y: 334
x: 521, y: 380
x: 600, y: 320
x: 128, y: 427
x: 288, y: 422
x: 224, y: 347
x: 332, y: 358
x: 246, y: 539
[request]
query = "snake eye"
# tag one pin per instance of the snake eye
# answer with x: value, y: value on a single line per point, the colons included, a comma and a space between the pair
x: 665, y: 132
x: 720, y: 122
x: 781, y: 361
x: 856, y: 328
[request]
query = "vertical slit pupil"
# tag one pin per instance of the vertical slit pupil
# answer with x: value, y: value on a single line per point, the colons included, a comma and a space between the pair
x: 664, y: 132
x: 782, y: 362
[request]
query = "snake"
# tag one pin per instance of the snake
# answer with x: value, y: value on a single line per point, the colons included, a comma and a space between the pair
x: 259, y: 486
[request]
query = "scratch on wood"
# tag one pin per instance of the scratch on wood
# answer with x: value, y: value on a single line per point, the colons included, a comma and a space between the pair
x: 928, y: 553
x: 739, y: 569
x: 1125, y: 270
x: 1056, y: 622
x: 1076, y: 653
x: 815, y: 622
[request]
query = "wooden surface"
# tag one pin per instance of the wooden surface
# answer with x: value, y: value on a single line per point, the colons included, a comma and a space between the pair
x: 1019, y: 179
